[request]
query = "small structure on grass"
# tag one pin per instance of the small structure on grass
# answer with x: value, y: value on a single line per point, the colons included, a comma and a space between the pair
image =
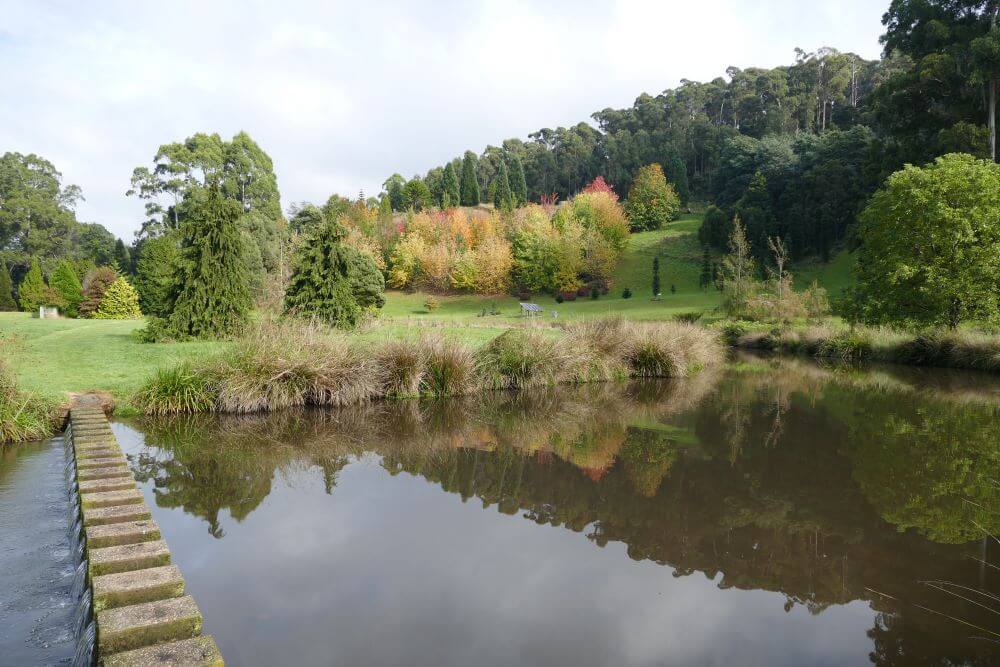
x: 48, y: 312
x: 531, y: 309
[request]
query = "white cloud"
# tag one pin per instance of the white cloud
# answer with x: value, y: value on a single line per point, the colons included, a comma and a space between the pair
x: 343, y: 94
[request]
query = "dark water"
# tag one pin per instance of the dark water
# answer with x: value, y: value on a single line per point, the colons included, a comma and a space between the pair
x: 37, y: 566
x: 774, y: 514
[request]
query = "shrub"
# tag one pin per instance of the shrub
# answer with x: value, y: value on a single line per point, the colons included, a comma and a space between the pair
x: 94, y: 285
x: 595, y: 293
x: 431, y: 304
x: 626, y: 293
x: 560, y: 298
x: 120, y: 302
x: 689, y: 317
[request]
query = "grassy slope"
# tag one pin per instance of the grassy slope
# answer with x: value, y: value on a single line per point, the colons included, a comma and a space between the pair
x: 56, y: 356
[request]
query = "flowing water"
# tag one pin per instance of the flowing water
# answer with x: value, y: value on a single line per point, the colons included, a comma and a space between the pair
x: 38, y: 566
x: 773, y: 513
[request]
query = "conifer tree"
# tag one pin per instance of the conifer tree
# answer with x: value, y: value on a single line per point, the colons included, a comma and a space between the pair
x: 385, y: 208
x: 155, y: 274
x: 518, y: 185
x: 123, y: 258
x: 450, y: 194
x: 656, y: 276
x: 64, y: 281
x: 503, y: 198
x: 333, y: 281
x: 706, y: 270
x: 469, y: 189
x: 120, y: 302
x: 31, y: 292
x: 7, y: 302
x: 212, y: 297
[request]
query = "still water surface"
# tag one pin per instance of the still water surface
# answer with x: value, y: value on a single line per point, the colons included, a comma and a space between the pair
x: 775, y: 513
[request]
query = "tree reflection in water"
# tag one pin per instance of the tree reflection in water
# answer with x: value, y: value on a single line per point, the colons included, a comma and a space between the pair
x: 825, y: 485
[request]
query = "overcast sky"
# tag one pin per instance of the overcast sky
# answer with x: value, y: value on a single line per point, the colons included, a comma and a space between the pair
x: 342, y: 94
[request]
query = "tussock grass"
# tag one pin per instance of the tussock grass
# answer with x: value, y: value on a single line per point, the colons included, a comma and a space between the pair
x: 176, y: 390
x: 23, y: 416
x: 285, y: 364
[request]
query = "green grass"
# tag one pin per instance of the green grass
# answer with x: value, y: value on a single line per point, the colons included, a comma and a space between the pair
x: 835, y: 275
x: 52, y: 357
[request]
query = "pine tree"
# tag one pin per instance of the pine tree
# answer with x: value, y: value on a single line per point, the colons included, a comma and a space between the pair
x: 706, y: 270
x: 64, y: 281
x: 469, y: 191
x: 333, y: 281
x: 503, y: 198
x: 123, y: 258
x: 120, y: 302
x: 385, y: 208
x: 94, y: 286
x: 212, y: 297
x: 652, y: 202
x: 656, y: 276
x: 518, y: 185
x: 7, y: 302
x: 450, y: 194
x: 32, y: 291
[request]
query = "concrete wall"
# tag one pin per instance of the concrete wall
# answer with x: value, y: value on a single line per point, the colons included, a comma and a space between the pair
x: 143, y: 615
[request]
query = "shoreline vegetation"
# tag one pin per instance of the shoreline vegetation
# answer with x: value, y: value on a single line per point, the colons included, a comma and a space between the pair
x: 292, y: 363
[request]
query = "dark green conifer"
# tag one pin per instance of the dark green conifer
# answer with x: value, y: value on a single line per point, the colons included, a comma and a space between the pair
x: 333, y: 281
x: 503, y: 198
x: 450, y: 194
x: 656, y: 276
x: 518, y: 185
x: 469, y: 189
x: 7, y: 302
x: 212, y: 297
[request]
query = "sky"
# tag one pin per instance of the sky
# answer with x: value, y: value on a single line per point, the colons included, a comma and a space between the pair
x: 343, y: 94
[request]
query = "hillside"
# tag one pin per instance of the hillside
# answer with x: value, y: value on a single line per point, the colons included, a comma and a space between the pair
x: 680, y: 265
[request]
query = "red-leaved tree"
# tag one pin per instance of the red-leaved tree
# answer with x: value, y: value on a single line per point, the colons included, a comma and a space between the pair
x: 601, y: 185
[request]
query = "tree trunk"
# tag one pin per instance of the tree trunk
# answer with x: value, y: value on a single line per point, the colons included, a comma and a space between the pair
x: 993, y: 119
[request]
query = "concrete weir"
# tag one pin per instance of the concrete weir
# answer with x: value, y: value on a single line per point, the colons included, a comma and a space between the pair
x: 143, y: 615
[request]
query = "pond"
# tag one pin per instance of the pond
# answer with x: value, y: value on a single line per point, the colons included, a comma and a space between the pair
x: 772, y: 513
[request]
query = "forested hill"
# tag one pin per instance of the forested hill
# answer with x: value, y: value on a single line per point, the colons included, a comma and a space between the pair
x: 795, y: 150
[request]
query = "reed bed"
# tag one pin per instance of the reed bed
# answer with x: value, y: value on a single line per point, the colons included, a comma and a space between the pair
x: 283, y: 364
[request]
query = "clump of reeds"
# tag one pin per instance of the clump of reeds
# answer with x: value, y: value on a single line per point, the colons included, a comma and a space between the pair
x: 176, y: 390
x: 449, y: 367
x: 521, y: 358
x: 22, y: 416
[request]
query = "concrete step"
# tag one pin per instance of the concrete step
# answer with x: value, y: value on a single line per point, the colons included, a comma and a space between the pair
x: 101, y: 516
x: 107, y: 484
x: 110, y: 498
x: 129, y: 588
x: 103, y: 452
x: 116, y: 534
x: 197, y: 652
x: 127, y: 557
x: 120, y: 470
x: 103, y: 462
x: 147, y: 624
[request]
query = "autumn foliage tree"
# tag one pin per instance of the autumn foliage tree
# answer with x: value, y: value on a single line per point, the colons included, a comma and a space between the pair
x: 94, y: 286
x: 652, y: 202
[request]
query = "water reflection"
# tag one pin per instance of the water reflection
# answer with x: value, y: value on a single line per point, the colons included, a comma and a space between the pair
x: 824, y: 487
